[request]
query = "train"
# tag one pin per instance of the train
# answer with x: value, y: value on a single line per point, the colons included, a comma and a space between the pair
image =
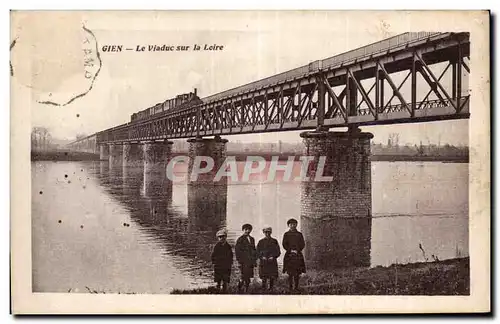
x: 180, y: 101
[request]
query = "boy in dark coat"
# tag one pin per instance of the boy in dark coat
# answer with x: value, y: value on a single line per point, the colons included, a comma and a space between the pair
x: 246, y: 256
x: 268, y: 250
x: 293, y: 262
x: 222, y: 258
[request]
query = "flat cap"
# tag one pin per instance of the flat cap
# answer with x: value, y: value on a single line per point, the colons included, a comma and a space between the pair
x: 221, y: 232
x: 267, y: 229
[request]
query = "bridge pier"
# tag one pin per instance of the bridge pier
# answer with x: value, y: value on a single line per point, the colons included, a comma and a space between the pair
x: 104, y: 152
x: 214, y: 148
x: 132, y: 155
x: 207, y: 198
x: 156, y: 157
x: 115, y: 154
x: 336, y: 213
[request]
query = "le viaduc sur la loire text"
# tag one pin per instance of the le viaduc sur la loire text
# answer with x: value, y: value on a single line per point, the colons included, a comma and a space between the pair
x: 162, y: 48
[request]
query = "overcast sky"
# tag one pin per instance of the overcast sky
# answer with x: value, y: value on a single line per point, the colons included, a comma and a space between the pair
x: 48, y: 55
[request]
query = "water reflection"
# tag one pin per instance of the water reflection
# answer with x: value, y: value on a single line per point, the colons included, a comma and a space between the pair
x: 337, y: 242
x: 147, y: 195
x: 132, y: 180
x: 168, y: 242
x: 103, y: 168
x: 207, y: 206
x: 115, y: 175
x: 330, y: 242
x: 155, y: 182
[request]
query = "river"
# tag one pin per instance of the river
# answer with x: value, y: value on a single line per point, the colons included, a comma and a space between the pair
x: 101, y: 229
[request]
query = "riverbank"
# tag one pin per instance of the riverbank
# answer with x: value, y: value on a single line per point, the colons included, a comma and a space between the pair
x: 419, y: 158
x: 383, y: 157
x: 447, y: 277
x: 63, y: 156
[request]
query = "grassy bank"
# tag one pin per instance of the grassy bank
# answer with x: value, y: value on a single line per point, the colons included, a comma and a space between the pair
x: 448, y: 277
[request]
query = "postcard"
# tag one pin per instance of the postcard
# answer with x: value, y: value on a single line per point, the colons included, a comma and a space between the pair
x: 250, y: 162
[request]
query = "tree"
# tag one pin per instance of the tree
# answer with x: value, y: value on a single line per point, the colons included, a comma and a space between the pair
x: 393, y: 139
x: 421, y: 149
x: 41, y: 139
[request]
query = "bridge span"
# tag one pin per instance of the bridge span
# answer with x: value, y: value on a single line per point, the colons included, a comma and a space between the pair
x: 354, y: 88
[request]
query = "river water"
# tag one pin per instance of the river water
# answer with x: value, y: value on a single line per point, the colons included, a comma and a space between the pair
x: 101, y: 228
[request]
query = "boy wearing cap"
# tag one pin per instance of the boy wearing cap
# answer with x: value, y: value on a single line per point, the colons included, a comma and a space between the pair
x: 246, y: 256
x: 268, y: 250
x: 293, y: 262
x: 222, y: 259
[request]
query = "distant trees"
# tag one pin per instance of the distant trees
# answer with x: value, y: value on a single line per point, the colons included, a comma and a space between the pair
x: 420, y: 149
x: 41, y: 139
x: 446, y: 150
x: 393, y: 139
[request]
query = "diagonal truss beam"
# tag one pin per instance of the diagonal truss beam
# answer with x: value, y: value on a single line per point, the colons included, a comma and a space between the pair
x: 430, y: 91
x: 363, y: 94
x: 388, y: 103
x: 428, y: 70
x: 336, y: 100
x: 306, y: 107
x: 368, y: 93
x: 393, y: 86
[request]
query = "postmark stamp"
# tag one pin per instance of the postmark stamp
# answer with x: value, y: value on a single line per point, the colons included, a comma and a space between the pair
x: 63, y: 64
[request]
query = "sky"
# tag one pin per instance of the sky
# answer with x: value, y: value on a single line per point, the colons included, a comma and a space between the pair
x: 48, y: 62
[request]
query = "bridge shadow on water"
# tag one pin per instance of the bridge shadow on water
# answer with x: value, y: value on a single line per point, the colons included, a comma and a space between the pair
x: 147, y: 195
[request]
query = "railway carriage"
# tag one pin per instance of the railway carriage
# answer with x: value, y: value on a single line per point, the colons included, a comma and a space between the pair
x: 185, y: 99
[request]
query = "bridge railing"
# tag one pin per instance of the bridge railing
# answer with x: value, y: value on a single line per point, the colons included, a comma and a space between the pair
x: 376, y: 48
x: 428, y: 104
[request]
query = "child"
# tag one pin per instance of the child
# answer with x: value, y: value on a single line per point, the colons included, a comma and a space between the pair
x: 246, y: 256
x: 268, y: 251
x: 293, y: 262
x: 222, y: 258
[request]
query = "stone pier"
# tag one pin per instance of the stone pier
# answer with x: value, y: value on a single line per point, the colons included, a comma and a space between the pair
x: 103, y: 152
x: 156, y: 157
x: 132, y: 155
x: 207, y: 198
x: 336, y: 213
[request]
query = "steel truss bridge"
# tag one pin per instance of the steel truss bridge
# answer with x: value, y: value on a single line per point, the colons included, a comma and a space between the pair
x: 412, y: 77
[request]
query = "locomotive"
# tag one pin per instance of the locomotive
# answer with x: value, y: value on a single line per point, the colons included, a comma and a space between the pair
x: 180, y: 101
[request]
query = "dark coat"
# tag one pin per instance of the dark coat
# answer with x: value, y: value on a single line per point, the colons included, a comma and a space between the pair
x: 293, y: 263
x: 268, y: 247
x: 246, y: 255
x: 222, y: 259
x: 245, y: 250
